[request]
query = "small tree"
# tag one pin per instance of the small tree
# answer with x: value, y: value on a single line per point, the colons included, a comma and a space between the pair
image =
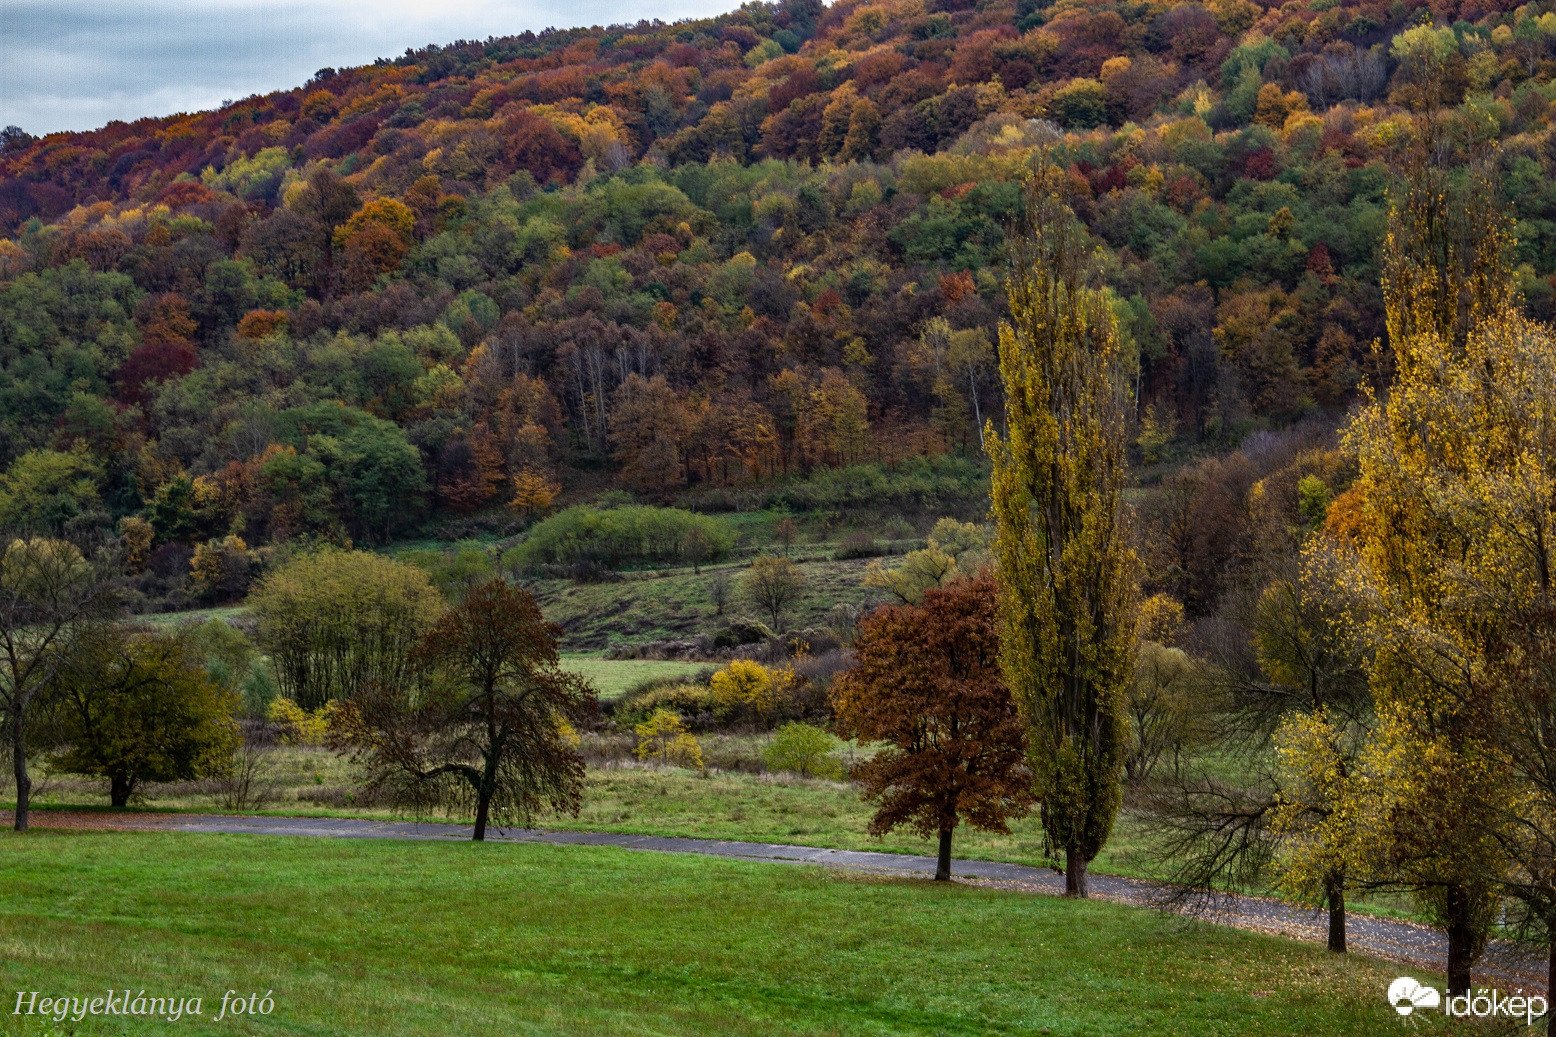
x: 802, y: 749
x: 663, y: 737
x: 785, y: 533
x: 696, y: 548
x: 484, y: 726
x: 928, y: 685
x: 719, y: 589
x: 49, y: 593
x: 774, y: 586
x: 138, y: 707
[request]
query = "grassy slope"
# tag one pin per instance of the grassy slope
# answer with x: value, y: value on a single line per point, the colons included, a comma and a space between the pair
x: 364, y: 937
x: 612, y: 677
x: 675, y: 603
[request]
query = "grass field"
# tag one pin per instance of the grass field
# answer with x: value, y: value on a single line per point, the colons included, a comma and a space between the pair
x: 367, y: 937
x: 612, y: 677
x: 777, y: 808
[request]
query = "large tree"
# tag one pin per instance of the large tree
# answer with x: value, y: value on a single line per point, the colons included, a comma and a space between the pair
x: 49, y: 592
x: 335, y: 622
x: 483, y: 724
x: 139, y: 706
x: 1451, y: 521
x: 1067, y: 575
x: 928, y: 685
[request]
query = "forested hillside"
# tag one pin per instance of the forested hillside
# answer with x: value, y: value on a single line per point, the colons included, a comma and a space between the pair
x: 688, y: 260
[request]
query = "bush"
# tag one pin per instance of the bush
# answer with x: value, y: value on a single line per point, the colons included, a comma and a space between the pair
x: 746, y: 692
x: 334, y: 622
x: 298, y: 726
x: 664, y: 738
x: 742, y: 632
x: 691, y: 702
x: 802, y: 749
x: 618, y: 537
x: 856, y: 545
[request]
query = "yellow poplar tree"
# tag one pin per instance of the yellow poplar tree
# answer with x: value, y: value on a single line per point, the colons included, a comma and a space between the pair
x: 1069, y: 583
x: 1446, y: 517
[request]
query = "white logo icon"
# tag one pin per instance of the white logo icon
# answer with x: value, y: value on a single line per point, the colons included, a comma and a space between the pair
x: 1406, y: 995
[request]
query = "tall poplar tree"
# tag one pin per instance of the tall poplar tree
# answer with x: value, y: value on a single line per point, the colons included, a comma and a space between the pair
x: 1068, y: 579
x: 1448, y: 513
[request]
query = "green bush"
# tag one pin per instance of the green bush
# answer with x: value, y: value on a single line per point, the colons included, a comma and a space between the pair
x: 802, y: 749
x: 618, y: 537
x: 693, y: 702
x: 941, y: 484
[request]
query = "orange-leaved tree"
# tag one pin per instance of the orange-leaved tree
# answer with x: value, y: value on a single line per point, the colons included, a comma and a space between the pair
x: 928, y: 685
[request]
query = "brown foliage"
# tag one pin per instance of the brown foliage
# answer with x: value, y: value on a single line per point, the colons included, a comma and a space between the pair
x: 928, y: 685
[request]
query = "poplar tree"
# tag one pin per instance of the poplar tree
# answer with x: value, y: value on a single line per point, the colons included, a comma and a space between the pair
x: 1068, y: 580
x: 1447, y: 518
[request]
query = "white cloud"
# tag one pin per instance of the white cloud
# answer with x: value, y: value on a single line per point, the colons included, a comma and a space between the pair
x: 77, y: 64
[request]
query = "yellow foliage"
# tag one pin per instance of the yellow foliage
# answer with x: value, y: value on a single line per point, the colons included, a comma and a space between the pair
x: 298, y: 725
x: 663, y: 738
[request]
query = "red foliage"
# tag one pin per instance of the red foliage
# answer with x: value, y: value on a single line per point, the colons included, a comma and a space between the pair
x: 928, y: 686
x: 532, y: 143
x: 150, y: 364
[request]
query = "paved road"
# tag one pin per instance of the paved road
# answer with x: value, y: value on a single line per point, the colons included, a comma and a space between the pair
x: 1400, y: 941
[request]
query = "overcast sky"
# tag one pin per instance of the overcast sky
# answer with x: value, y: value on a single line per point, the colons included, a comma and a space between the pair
x: 77, y: 64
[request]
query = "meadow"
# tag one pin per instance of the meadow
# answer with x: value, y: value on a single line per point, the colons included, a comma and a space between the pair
x: 369, y: 937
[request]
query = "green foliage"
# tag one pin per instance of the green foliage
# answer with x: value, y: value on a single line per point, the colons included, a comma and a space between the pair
x: 335, y: 622
x: 1068, y: 576
x: 139, y: 707
x: 618, y: 536
x: 803, y: 749
x: 44, y: 489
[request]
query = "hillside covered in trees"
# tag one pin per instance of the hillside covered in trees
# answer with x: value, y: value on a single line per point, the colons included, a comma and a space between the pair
x: 694, y: 261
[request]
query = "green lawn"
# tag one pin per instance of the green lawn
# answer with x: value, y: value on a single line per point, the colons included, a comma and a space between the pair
x: 612, y: 677
x: 367, y: 937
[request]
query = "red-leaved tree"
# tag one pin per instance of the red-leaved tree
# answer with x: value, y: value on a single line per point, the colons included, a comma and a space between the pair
x: 928, y: 684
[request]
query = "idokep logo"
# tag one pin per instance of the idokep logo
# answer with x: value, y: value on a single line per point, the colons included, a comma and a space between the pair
x: 1406, y: 995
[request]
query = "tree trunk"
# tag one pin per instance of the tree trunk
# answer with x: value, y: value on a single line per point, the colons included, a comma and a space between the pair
x: 1550, y: 967
x: 483, y: 801
x: 19, y: 760
x: 943, y: 862
x: 1461, y: 938
x: 1074, y: 873
x: 119, y: 790
x: 1334, y: 890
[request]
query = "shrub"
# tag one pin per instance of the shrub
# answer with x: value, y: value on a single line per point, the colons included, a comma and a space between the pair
x: 745, y: 691
x: 664, y: 738
x: 335, y: 622
x: 691, y: 702
x: 802, y: 749
x: 619, y: 536
x: 856, y: 545
x: 298, y: 725
x: 742, y: 632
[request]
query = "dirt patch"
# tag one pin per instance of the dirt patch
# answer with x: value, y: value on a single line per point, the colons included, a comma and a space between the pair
x: 91, y: 819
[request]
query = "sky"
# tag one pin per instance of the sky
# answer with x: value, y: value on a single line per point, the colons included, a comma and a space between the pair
x: 78, y: 64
